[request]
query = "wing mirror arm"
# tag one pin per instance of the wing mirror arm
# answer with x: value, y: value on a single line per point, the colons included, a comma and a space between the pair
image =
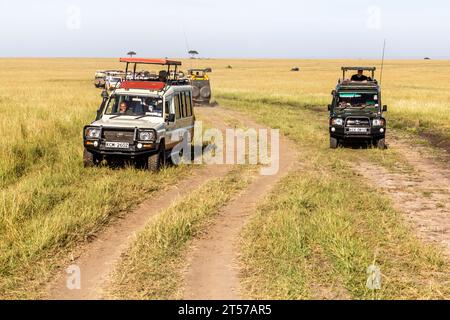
x: 100, y: 110
x: 105, y: 94
x: 170, y: 118
x: 385, y: 108
x: 329, y: 107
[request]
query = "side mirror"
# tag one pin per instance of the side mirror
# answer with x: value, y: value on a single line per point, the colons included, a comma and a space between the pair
x: 385, y: 108
x: 329, y: 107
x: 333, y: 93
x: 104, y: 94
x: 99, y: 114
x: 171, y: 118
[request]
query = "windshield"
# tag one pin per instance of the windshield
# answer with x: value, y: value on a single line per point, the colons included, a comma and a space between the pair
x: 357, y: 100
x: 135, y: 106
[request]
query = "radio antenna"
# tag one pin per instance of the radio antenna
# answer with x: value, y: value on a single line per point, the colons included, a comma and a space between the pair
x: 382, y: 61
x: 188, y: 49
x: 186, y: 40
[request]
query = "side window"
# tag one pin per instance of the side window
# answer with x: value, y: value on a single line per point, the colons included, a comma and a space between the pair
x: 182, y: 104
x: 177, y: 107
x: 167, y: 108
x: 189, y: 103
x: 186, y: 103
x: 186, y: 107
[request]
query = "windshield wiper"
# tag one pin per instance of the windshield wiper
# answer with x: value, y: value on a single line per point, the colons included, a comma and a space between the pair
x: 119, y: 115
x: 147, y: 115
x: 142, y: 117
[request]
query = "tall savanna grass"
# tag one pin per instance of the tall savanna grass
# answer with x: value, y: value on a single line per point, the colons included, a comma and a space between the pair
x: 49, y: 202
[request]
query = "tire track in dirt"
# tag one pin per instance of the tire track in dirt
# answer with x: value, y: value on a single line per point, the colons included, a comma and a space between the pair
x: 213, y: 271
x: 99, y: 258
x: 423, y: 195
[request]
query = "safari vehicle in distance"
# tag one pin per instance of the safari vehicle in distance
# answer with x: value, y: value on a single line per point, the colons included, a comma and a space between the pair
x: 101, y: 75
x: 201, y: 87
x: 356, y: 111
x: 141, y: 120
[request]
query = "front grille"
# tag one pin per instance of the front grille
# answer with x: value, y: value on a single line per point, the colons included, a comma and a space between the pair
x: 118, y: 136
x: 358, y: 122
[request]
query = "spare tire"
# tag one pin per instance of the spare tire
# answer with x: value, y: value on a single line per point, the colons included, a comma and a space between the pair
x: 195, y: 92
x: 205, y: 92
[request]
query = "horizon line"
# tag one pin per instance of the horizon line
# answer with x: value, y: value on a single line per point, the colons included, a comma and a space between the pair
x: 234, y: 58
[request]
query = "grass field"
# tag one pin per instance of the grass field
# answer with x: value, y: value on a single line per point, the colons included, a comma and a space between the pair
x: 49, y: 203
x: 318, y: 232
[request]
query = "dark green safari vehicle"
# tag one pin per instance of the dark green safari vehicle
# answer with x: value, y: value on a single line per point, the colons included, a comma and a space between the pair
x: 356, y: 112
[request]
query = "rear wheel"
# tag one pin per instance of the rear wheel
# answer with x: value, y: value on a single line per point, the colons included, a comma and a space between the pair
x: 205, y: 92
x: 333, y: 143
x: 195, y: 92
x: 90, y: 159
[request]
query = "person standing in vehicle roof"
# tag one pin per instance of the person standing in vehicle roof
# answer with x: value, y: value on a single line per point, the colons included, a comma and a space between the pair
x: 360, y: 77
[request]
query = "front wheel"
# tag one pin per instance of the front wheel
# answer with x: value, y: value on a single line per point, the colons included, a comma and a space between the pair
x: 90, y: 159
x: 333, y: 143
x: 381, y: 144
x: 158, y: 160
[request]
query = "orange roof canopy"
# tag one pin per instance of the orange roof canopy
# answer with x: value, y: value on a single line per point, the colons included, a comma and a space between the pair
x: 151, y: 61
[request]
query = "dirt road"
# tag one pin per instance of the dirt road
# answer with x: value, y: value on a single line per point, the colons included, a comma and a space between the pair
x: 213, y: 261
x: 423, y: 194
x: 99, y: 258
x: 213, y: 270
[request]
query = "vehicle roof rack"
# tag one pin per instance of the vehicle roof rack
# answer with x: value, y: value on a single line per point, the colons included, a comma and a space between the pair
x: 346, y: 69
x: 162, y: 62
x: 200, y: 69
x: 359, y: 68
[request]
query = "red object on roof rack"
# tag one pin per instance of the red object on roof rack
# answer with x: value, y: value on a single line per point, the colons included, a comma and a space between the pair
x: 143, y: 85
x: 164, y: 62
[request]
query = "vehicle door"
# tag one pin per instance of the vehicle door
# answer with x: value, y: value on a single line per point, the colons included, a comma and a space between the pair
x: 189, y: 112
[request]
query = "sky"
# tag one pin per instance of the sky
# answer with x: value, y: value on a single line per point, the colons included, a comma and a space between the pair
x: 226, y: 28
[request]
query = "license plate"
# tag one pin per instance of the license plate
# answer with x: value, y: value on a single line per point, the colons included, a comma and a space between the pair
x: 358, y: 130
x: 118, y: 145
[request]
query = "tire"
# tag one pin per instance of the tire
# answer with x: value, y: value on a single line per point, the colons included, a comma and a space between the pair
x: 158, y: 160
x: 205, y: 92
x: 333, y: 143
x: 381, y: 144
x: 90, y: 160
x: 195, y: 92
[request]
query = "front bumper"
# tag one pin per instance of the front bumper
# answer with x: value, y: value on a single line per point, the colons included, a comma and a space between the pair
x: 98, y: 146
x: 132, y: 153
x: 342, y: 132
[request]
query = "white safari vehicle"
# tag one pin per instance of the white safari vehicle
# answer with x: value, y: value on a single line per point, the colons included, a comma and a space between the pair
x: 141, y: 120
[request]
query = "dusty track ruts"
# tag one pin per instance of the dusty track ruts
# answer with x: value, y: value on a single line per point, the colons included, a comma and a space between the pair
x: 423, y: 195
x: 213, y: 272
x: 99, y: 258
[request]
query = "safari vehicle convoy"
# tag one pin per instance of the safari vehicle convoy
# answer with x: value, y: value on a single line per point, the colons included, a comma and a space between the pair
x: 201, y: 86
x: 141, y: 119
x: 101, y: 76
x: 356, y: 112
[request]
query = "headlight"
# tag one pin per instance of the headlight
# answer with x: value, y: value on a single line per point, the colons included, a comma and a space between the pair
x: 93, y: 133
x: 337, y: 122
x: 378, y: 122
x: 146, y: 136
